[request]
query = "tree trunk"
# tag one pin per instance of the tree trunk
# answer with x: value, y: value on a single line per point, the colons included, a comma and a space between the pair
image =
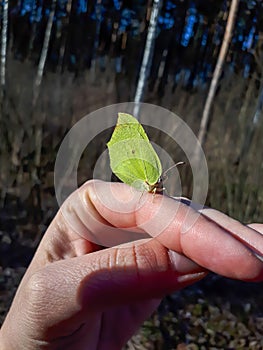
x: 39, y: 123
x: 217, y: 71
x: 44, y: 52
x: 3, y: 48
x: 147, y: 56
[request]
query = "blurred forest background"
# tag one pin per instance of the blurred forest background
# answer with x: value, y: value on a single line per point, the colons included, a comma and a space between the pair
x: 61, y: 59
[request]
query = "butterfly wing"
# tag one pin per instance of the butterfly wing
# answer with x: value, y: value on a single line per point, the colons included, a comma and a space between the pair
x: 132, y: 158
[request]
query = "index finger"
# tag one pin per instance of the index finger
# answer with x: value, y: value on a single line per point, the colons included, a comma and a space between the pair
x: 203, y: 239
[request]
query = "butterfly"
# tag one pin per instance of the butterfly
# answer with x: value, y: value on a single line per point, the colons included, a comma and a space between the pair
x: 132, y: 157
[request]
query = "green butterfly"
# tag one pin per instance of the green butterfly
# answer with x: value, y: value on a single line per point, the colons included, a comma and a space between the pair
x: 132, y: 158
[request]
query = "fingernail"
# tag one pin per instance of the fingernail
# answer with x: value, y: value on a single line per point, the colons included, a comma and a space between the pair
x: 191, y: 277
x: 182, y: 264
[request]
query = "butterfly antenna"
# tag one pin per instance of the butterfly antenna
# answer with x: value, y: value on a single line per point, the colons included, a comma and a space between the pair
x: 173, y: 166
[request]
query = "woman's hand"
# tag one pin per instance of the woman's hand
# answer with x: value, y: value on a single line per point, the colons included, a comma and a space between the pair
x: 77, y: 295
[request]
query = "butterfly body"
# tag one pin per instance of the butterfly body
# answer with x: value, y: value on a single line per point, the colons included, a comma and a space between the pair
x: 157, y: 187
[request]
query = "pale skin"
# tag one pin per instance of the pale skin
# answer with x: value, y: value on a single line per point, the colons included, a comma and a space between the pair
x: 77, y: 295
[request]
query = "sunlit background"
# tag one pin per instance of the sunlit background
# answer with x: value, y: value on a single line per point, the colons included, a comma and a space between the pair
x: 201, y: 59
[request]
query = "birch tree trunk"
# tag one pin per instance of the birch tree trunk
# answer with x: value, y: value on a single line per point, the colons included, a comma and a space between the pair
x: 147, y: 56
x: 44, y: 52
x: 38, y: 119
x: 218, y: 70
x: 3, y: 48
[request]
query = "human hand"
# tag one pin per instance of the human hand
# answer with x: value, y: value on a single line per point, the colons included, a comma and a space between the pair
x: 76, y: 295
